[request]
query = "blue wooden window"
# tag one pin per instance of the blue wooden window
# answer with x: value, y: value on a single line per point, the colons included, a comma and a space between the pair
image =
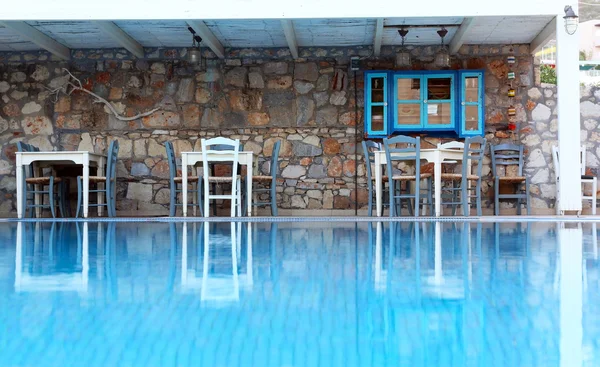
x: 471, y: 103
x: 376, y: 104
x: 450, y: 102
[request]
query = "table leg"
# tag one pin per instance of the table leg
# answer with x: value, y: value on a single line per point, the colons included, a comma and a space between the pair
x: 20, y: 181
x: 249, y: 170
x: 437, y: 174
x: 86, y: 187
x: 378, y: 184
x: 184, y: 183
x: 100, y: 172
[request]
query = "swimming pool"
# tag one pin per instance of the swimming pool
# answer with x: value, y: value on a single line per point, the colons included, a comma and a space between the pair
x: 299, y: 294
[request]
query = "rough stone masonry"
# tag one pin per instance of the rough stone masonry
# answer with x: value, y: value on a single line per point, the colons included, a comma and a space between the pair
x: 259, y: 96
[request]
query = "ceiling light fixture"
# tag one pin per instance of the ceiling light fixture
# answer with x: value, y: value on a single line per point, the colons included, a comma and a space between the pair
x: 403, y: 54
x: 442, y: 58
x: 194, y: 55
x: 571, y: 20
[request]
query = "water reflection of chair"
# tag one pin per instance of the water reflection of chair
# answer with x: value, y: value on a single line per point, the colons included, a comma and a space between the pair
x: 217, y: 285
x: 26, y: 280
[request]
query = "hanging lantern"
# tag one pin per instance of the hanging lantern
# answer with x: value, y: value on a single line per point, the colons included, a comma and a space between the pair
x: 442, y: 58
x: 403, y: 55
x: 511, y: 59
x: 512, y: 92
x: 511, y: 75
x: 194, y: 55
x: 512, y: 126
x: 512, y: 111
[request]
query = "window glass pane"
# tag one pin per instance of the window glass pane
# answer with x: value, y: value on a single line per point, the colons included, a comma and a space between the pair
x: 409, y: 114
x: 377, y: 118
x: 471, y: 89
x: 439, y: 88
x: 471, y: 118
x: 377, y: 89
x: 438, y: 113
x: 409, y: 89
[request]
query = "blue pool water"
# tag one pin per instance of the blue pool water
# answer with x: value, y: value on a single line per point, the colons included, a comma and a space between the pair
x: 299, y: 294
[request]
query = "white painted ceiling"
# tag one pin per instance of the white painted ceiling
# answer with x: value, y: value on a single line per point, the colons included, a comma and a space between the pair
x: 269, y: 33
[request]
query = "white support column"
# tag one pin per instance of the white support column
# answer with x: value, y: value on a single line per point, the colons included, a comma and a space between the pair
x: 459, y: 36
x: 567, y: 73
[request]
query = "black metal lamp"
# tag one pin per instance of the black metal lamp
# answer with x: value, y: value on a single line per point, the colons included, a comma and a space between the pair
x: 571, y: 20
x: 442, y: 58
x: 403, y: 55
x: 194, y: 55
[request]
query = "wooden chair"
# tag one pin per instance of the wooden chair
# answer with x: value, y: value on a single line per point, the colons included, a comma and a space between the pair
x: 507, y: 155
x: 369, y: 148
x: 109, y: 181
x: 175, y: 181
x: 474, y: 148
x: 231, y: 155
x: 268, y: 180
x: 411, y: 152
x: 44, y: 185
x: 585, y: 179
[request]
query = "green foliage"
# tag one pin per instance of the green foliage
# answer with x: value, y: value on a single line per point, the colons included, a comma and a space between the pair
x: 547, y: 74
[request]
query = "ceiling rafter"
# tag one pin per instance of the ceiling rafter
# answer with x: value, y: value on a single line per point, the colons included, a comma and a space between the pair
x: 543, y: 37
x: 121, y: 37
x: 41, y: 39
x: 208, y: 37
x: 459, y: 36
x: 290, y: 36
x: 378, y: 37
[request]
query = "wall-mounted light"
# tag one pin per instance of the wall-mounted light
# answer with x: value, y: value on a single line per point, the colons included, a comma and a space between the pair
x: 403, y: 54
x: 442, y: 58
x: 571, y: 20
x: 194, y: 55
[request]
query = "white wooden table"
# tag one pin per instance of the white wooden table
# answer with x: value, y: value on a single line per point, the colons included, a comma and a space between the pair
x: 436, y: 156
x: 60, y: 158
x: 193, y: 158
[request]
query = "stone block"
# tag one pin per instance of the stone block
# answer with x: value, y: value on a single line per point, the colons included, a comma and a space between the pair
x: 278, y: 98
x: 191, y: 115
x: 306, y: 71
x: 236, y: 77
x: 281, y: 116
x: 317, y: 171
x: 255, y: 80
x: 298, y: 202
x: 158, y: 68
x: 139, y: 169
x: 161, y: 118
x: 341, y: 202
x: 203, y: 95
x: 155, y: 149
x: 278, y: 67
x: 331, y: 146
x: 209, y: 76
x: 30, y: 108
x: 139, y: 191
x: 335, y: 167
x: 534, y: 93
x: 258, y: 118
x: 163, y: 196
x: 139, y: 148
x: 293, y: 171
x: 590, y: 109
x: 186, y: 90
x: 249, y: 100
x: 323, y: 83
x: 303, y: 87
x: 279, y: 82
x: 338, y: 98
x: 4, y: 86
x: 161, y: 169
x: 327, y: 116
x: 305, y: 150
x: 18, y: 95
x: 37, y: 125
x: 543, y: 113
x: 321, y: 98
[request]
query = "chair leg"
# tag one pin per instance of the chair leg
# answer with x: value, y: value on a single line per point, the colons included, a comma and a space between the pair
x: 527, y: 200
x: 417, y: 195
x: 370, y: 202
x: 478, y: 195
x: 496, y: 199
x: 430, y: 196
x: 51, y: 197
x: 79, y: 191
x: 594, y: 194
x: 274, y: 198
x: 173, y: 198
x: 61, y: 201
x: 465, y: 197
x: 454, y: 198
x: 392, y: 193
x: 199, y: 193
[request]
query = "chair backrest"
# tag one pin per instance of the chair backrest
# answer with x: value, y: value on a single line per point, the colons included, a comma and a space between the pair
x: 452, y: 145
x: 230, y: 155
x: 113, y: 153
x: 24, y: 147
x: 474, y: 152
x: 507, y: 155
x: 369, y: 148
x: 410, y: 150
x: 582, y: 160
x: 274, y: 166
x: 172, y: 161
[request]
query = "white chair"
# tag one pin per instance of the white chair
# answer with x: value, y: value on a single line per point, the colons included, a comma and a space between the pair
x: 585, y: 179
x: 230, y: 155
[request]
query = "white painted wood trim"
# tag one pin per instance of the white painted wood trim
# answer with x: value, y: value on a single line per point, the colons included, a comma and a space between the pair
x: 543, y: 37
x: 290, y: 36
x: 567, y: 75
x: 270, y: 9
x: 121, y: 37
x: 39, y: 38
x: 459, y: 36
x: 378, y: 37
x: 208, y: 37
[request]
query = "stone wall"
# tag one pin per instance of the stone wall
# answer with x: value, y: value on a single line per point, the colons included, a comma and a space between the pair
x: 258, y: 96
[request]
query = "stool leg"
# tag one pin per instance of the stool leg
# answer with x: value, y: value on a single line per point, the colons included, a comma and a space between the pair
x: 79, y: 191
x: 51, y: 197
x: 527, y: 196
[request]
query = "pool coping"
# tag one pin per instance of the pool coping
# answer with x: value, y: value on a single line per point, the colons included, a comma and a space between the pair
x: 483, y: 219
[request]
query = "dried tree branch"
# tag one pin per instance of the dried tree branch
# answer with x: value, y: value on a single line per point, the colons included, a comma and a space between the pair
x: 76, y: 85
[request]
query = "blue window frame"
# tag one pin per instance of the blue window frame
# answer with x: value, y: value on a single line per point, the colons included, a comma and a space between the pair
x: 435, y: 101
x: 471, y: 89
x: 376, y: 104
